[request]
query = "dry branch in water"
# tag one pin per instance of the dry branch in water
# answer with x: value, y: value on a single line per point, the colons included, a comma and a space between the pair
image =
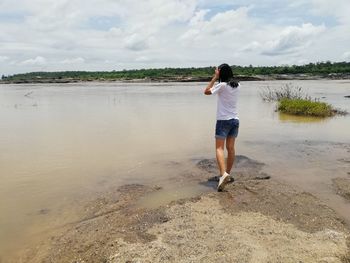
x: 288, y: 91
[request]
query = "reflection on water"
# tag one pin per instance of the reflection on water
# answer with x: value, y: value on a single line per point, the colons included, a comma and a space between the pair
x: 283, y: 117
x: 63, y: 143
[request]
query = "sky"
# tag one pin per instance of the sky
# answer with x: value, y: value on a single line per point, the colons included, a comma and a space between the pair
x: 55, y: 35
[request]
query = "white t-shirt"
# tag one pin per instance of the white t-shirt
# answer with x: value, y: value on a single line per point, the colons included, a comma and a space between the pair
x: 227, y: 101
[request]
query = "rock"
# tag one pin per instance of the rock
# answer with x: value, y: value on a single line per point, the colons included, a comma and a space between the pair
x: 43, y: 211
x: 157, y: 187
x: 245, y: 169
x: 262, y: 176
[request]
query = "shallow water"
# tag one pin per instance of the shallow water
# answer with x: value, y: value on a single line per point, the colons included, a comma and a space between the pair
x: 63, y: 143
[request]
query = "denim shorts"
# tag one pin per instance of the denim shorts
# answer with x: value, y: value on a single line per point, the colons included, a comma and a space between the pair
x: 226, y: 128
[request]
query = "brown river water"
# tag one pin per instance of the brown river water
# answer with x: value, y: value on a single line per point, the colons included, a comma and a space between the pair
x: 64, y: 143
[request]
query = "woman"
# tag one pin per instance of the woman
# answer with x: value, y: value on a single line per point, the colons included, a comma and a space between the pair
x: 227, y: 122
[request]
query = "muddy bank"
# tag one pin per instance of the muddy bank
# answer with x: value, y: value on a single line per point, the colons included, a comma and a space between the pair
x: 255, y: 219
x: 275, y: 199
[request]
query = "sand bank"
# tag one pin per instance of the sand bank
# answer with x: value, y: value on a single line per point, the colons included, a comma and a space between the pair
x: 253, y: 220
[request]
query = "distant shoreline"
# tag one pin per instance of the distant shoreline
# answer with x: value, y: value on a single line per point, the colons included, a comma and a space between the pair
x: 311, y: 71
x: 179, y: 79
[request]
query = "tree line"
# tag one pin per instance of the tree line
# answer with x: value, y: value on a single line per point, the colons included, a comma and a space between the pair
x: 320, y: 68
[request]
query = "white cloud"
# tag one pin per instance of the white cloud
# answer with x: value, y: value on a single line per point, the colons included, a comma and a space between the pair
x: 4, y: 58
x: 38, y: 61
x: 78, y: 60
x: 251, y: 47
x: 136, y: 42
x: 198, y: 17
x: 142, y: 59
x: 346, y: 55
x: 293, y: 39
x: 115, y: 31
x: 220, y: 30
x: 65, y: 34
x: 338, y: 8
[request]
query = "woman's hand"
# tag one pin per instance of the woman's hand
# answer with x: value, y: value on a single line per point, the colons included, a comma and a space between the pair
x: 207, y: 91
x: 216, y: 74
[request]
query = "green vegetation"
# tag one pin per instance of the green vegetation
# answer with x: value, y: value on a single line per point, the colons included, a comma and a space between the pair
x: 292, y: 100
x: 166, y: 73
x: 320, y: 68
x: 323, y: 69
x: 305, y: 107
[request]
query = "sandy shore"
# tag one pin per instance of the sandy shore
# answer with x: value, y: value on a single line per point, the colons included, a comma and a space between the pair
x: 255, y: 219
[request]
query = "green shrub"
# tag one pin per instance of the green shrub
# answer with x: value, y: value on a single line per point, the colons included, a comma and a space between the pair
x: 305, y: 107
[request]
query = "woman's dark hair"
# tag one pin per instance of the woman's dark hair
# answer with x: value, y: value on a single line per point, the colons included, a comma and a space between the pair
x: 226, y: 75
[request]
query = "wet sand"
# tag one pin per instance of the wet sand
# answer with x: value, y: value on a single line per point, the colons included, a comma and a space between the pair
x: 255, y: 219
x: 342, y: 186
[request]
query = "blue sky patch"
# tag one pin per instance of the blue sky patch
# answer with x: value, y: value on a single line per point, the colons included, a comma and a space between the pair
x: 103, y: 23
x: 12, y: 17
x: 214, y: 10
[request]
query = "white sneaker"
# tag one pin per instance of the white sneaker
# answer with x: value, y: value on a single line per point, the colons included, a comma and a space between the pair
x: 223, y: 181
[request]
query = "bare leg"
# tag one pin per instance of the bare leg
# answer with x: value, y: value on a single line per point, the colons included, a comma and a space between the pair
x: 220, y: 156
x: 230, y: 146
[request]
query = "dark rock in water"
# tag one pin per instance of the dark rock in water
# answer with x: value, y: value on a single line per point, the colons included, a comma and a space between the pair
x: 344, y: 160
x: 340, y: 112
x: 131, y: 188
x: 244, y: 162
x: 262, y: 176
x: 173, y: 163
x: 216, y: 178
x: 209, y: 165
x: 244, y: 169
x: 43, y: 211
x: 347, y: 96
